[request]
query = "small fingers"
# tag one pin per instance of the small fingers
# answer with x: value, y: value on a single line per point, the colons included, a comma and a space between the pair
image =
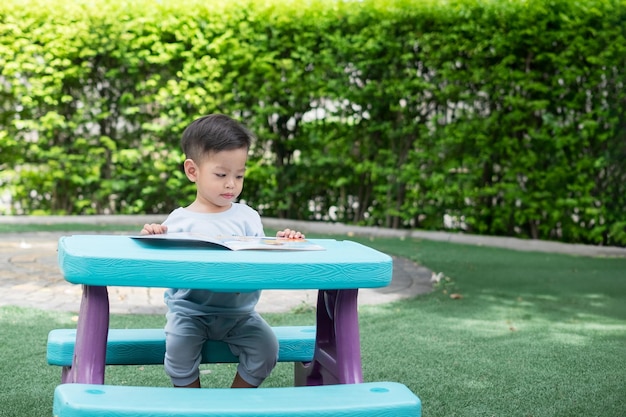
x: 290, y: 234
x: 153, y: 229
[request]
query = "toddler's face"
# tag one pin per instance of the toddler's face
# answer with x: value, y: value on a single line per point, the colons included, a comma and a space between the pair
x: 218, y: 178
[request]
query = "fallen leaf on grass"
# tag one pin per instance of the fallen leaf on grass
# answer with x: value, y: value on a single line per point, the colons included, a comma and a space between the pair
x: 456, y: 296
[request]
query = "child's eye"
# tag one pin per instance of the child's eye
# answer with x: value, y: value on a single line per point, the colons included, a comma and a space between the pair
x: 239, y: 177
x: 220, y: 175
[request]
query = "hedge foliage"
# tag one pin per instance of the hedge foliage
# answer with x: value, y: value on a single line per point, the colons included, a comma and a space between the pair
x: 508, y: 117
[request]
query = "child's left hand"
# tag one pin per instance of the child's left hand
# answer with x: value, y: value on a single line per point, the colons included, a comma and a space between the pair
x: 289, y: 234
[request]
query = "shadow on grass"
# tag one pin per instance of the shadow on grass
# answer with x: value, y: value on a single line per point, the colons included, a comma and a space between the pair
x: 526, y: 334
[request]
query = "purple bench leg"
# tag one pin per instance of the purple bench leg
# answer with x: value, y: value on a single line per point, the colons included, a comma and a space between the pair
x: 337, y: 357
x: 91, y: 338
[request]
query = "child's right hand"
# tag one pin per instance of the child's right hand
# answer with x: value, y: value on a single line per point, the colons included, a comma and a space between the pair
x: 153, y: 229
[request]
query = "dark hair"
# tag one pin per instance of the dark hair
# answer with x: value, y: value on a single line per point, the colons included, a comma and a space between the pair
x: 214, y: 133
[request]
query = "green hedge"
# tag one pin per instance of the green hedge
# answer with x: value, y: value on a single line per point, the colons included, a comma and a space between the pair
x: 508, y: 117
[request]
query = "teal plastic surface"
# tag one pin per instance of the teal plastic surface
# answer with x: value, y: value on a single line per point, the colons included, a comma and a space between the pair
x: 147, y: 346
x: 374, y: 399
x: 121, y: 261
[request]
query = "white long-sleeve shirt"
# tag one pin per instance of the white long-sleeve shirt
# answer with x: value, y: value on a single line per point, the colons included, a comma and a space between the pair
x: 239, y: 220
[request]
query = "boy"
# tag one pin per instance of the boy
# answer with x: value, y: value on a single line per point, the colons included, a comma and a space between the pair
x: 216, y: 148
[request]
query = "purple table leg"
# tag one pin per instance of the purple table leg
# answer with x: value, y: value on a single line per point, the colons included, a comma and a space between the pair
x: 91, y: 338
x: 337, y: 357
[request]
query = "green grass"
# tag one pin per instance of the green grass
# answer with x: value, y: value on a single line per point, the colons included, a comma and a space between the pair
x: 67, y: 227
x: 533, y: 334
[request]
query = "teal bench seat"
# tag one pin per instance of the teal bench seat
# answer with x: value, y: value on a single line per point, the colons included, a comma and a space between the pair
x: 372, y: 399
x: 147, y: 346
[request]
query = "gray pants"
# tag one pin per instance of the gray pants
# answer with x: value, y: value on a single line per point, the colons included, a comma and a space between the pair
x: 249, y: 337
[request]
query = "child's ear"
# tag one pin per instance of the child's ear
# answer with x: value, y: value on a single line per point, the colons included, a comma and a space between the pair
x: 191, y: 170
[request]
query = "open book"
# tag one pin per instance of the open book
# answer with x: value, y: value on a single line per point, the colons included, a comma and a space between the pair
x: 228, y: 242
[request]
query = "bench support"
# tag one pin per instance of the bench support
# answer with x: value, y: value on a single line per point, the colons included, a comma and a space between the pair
x: 337, y: 358
x: 91, y: 338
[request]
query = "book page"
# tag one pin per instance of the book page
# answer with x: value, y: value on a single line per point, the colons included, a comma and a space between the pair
x: 229, y: 242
